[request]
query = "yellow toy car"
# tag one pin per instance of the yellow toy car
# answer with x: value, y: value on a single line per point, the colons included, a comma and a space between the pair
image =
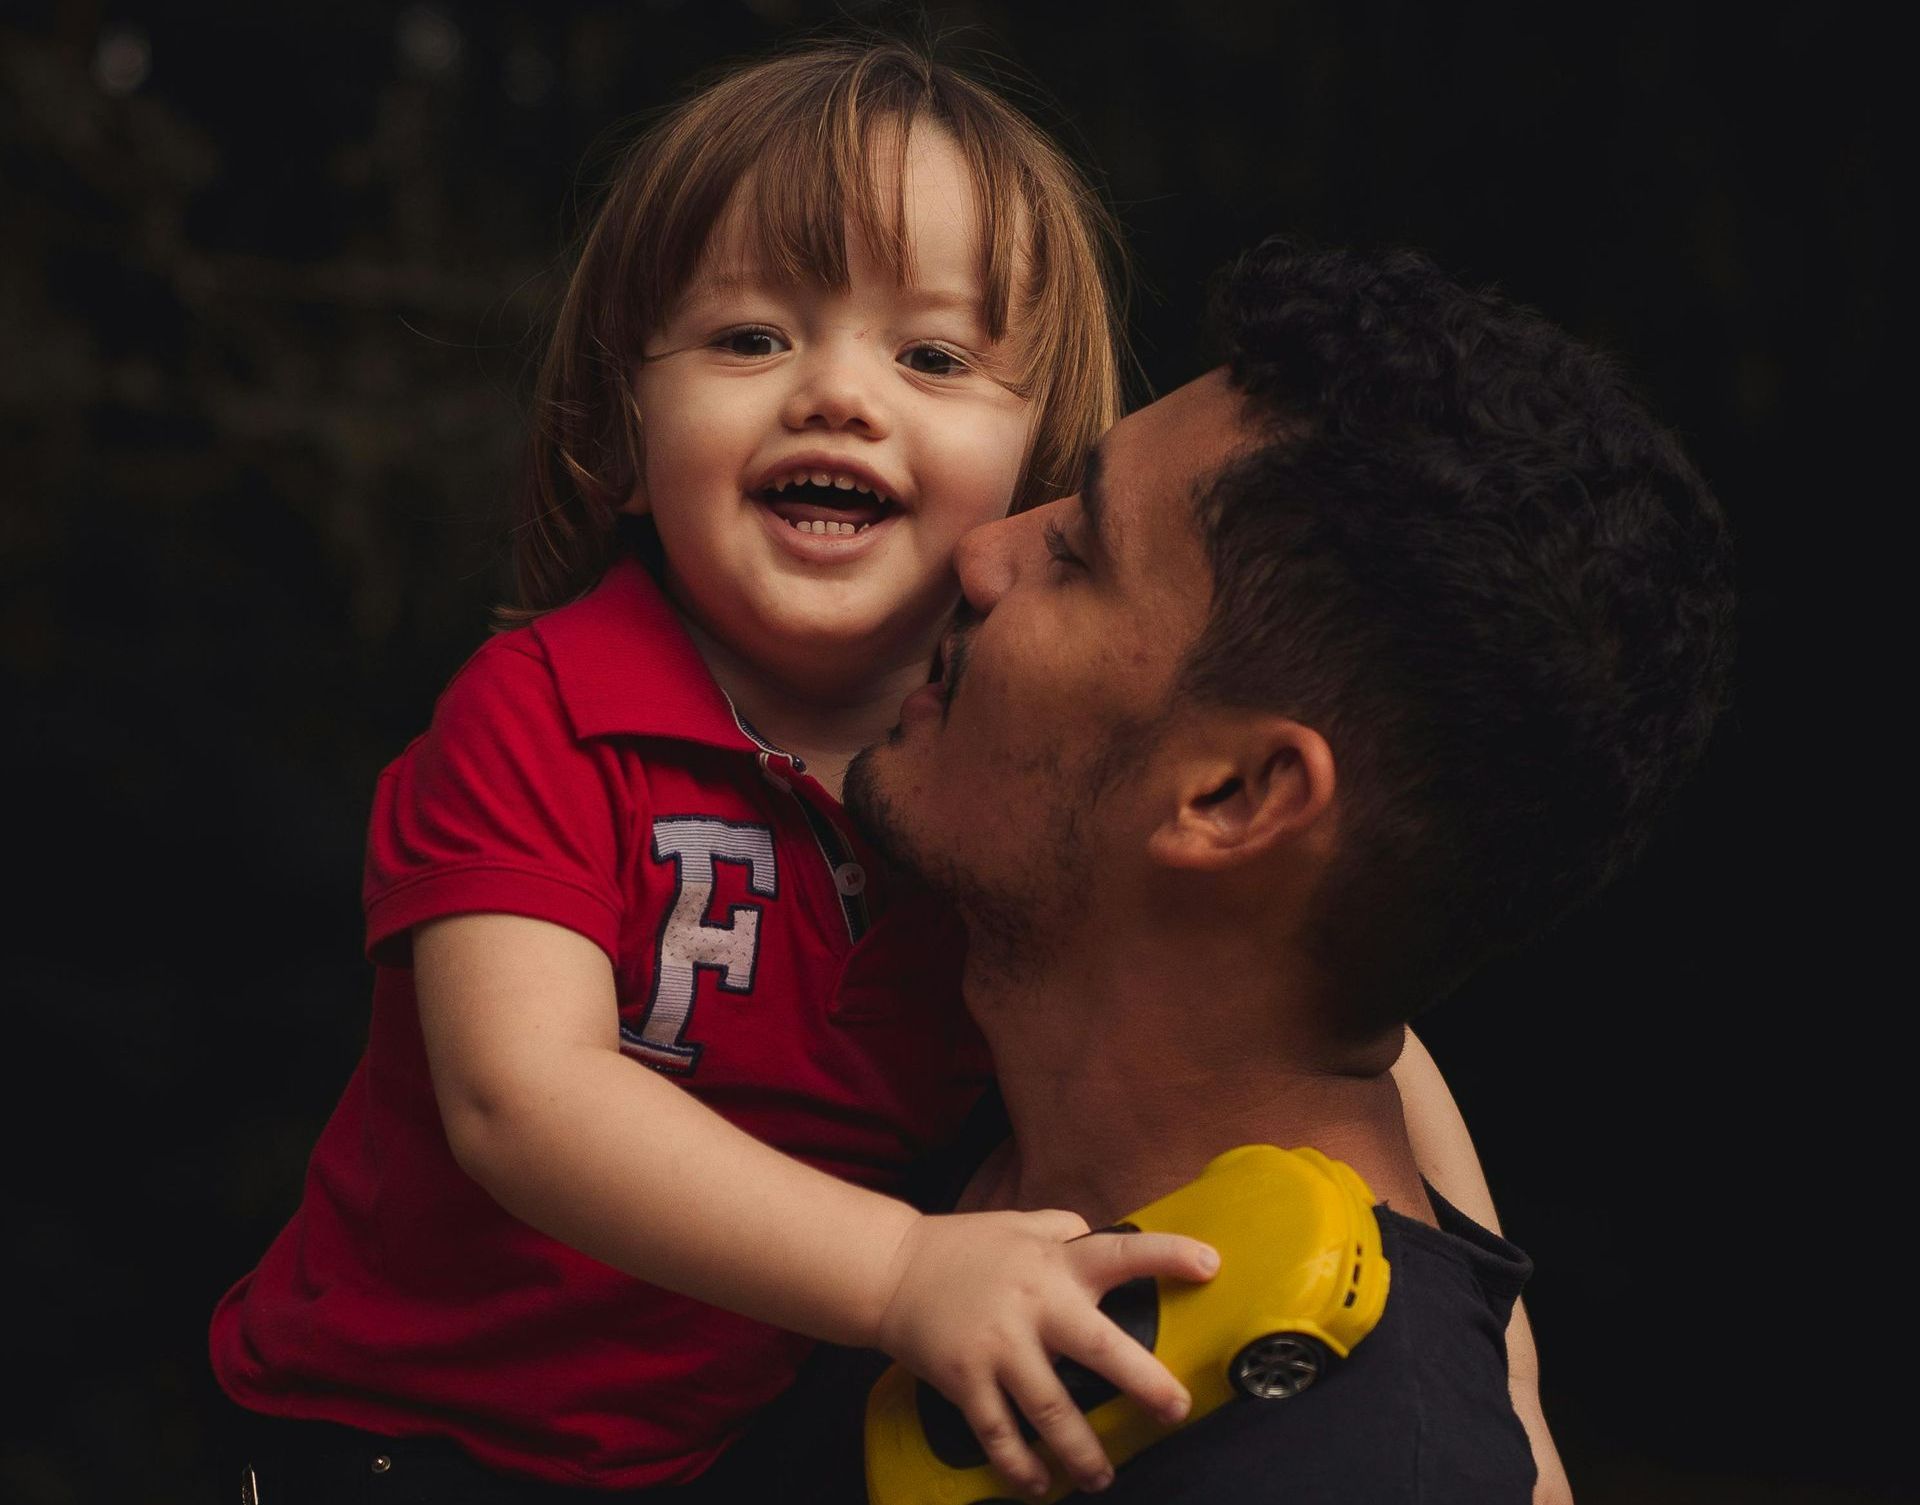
x: 1302, y: 1280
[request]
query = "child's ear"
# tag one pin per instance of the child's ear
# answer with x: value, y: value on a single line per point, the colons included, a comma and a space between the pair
x: 637, y: 503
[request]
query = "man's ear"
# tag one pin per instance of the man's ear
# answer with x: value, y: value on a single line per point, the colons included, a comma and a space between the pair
x: 1247, y: 785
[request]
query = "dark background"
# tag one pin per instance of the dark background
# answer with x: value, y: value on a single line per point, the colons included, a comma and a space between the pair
x: 271, y: 280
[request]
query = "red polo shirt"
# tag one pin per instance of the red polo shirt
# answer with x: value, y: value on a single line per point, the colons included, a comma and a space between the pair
x: 587, y: 770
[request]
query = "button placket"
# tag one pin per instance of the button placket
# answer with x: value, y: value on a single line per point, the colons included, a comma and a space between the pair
x: 775, y: 776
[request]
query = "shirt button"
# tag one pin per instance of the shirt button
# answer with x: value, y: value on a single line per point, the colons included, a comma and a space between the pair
x: 850, y: 878
x: 381, y: 1463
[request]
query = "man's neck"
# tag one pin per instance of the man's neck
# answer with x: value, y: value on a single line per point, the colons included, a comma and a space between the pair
x: 1120, y: 1085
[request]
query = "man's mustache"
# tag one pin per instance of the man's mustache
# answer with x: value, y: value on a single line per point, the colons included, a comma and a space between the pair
x: 953, y: 651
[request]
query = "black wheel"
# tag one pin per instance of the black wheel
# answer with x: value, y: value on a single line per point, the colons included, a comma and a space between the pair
x: 1278, y: 1366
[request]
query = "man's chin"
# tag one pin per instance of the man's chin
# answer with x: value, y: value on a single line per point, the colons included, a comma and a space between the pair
x: 1000, y: 925
x: 870, y: 809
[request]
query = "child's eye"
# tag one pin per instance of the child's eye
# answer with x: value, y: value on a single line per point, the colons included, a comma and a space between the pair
x: 751, y: 340
x: 933, y: 360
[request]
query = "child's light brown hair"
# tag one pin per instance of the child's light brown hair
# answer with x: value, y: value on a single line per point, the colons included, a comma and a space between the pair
x: 795, y: 131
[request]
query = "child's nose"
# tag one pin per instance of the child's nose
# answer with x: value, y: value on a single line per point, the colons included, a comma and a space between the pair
x: 835, y: 390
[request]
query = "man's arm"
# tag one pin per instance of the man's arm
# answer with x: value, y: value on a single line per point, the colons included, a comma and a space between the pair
x: 1445, y: 1152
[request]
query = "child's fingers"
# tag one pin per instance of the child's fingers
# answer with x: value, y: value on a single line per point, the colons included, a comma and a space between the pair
x: 1108, y: 1260
x: 1056, y: 1223
x: 1101, y: 1346
x: 993, y: 1422
x: 1044, y: 1401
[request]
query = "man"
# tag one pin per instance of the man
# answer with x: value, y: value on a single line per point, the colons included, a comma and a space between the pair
x: 1357, y: 660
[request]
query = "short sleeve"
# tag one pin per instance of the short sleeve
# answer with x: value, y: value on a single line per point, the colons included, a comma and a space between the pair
x: 498, y: 807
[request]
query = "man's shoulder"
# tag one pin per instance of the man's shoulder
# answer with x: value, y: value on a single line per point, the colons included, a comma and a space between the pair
x: 1418, y: 1412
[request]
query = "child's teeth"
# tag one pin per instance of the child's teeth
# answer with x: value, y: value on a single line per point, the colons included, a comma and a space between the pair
x: 843, y: 483
x: 821, y: 478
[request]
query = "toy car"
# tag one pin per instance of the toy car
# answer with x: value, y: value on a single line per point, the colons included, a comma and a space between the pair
x: 1302, y: 1279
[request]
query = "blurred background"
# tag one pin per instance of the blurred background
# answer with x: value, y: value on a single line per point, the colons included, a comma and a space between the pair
x: 272, y: 280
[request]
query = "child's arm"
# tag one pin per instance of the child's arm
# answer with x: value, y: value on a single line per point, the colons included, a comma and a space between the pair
x: 1447, y: 1158
x: 541, y: 1109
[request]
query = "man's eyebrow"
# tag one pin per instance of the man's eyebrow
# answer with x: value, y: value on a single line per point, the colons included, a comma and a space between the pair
x: 1093, y: 502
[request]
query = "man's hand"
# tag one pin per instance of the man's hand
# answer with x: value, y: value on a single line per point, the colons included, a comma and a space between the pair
x: 982, y: 1303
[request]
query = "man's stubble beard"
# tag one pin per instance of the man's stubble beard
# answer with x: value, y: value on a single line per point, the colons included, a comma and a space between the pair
x: 1001, y: 925
x: 1017, y: 920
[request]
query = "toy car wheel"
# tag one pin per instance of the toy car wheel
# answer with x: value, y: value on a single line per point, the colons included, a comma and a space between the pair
x: 1278, y: 1366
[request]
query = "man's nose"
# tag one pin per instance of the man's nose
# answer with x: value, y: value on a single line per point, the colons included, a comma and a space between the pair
x: 992, y: 557
x: 837, y: 389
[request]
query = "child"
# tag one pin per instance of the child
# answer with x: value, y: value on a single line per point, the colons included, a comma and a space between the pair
x: 652, y: 1035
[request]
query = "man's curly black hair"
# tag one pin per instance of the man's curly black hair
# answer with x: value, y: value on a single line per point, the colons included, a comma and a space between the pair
x: 1469, y: 557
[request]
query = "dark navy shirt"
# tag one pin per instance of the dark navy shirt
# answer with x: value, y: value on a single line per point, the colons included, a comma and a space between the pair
x: 1418, y: 1413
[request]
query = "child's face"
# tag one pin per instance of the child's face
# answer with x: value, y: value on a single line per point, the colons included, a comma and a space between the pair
x: 755, y: 384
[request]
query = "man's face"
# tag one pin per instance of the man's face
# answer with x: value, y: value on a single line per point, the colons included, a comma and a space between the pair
x: 1007, y: 783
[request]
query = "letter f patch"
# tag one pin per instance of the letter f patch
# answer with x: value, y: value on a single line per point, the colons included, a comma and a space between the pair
x: 694, y: 845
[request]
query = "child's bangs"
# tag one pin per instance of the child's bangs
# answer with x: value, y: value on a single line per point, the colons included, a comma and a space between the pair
x: 796, y: 176
x: 798, y: 202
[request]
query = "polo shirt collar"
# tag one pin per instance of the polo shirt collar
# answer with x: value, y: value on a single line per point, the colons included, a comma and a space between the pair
x: 624, y: 664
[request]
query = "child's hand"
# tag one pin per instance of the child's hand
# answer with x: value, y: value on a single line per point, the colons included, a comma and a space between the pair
x: 983, y: 1302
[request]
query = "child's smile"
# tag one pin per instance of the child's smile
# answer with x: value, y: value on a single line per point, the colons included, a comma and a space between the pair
x: 826, y: 502
x: 813, y: 454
